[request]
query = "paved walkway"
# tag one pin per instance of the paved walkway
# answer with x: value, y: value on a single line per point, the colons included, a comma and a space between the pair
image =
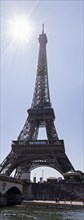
x: 67, y: 203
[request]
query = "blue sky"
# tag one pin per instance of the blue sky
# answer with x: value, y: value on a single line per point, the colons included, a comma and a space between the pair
x: 63, y: 22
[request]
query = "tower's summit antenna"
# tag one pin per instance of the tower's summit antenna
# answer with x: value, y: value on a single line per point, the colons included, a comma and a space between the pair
x: 42, y: 28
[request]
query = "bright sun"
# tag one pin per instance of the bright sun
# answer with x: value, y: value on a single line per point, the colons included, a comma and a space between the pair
x: 21, y: 29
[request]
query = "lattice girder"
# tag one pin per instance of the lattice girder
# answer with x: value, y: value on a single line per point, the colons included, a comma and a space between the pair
x: 41, y: 93
x: 29, y: 155
x: 39, y: 117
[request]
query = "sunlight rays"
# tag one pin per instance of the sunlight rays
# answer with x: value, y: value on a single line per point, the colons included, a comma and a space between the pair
x: 20, y: 29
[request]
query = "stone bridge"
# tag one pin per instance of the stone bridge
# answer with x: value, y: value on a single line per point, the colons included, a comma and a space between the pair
x: 10, y: 190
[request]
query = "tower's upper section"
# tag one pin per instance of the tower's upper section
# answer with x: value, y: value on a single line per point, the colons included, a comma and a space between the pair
x: 41, y: 96
x: 42, y: 37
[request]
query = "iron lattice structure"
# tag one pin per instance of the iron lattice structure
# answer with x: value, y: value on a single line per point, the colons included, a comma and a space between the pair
x: 40, y: 113
x: 28, y: 152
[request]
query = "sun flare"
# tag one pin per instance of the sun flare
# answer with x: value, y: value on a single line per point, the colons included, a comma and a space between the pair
x: 21, y: 29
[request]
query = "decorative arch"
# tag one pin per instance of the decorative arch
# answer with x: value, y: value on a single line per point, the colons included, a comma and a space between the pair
x: 35, y: 163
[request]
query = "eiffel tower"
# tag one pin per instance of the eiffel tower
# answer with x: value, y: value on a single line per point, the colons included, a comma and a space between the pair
x: 27, y: 152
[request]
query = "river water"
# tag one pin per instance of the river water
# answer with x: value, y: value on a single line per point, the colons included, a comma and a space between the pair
x: 23, y: 213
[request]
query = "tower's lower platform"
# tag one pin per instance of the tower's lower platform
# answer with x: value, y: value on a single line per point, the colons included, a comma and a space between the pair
x: 33, y: 154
